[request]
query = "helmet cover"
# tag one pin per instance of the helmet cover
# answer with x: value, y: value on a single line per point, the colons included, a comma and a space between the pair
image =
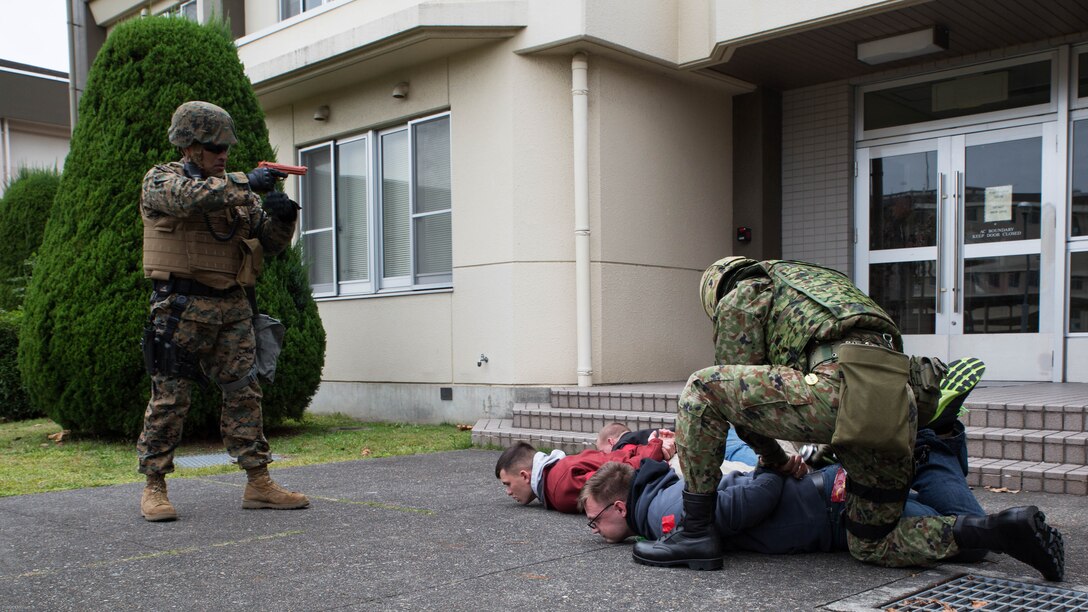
x: 713, y: 276
x: 201, y: 122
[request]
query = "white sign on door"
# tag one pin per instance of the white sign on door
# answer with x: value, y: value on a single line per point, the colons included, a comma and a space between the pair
x: 998, y: 204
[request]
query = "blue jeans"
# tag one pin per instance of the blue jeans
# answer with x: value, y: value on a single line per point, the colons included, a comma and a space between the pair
x: 941, y: 464
x: 939, y: 473
x: 737, y: 450
x: 939, y: 484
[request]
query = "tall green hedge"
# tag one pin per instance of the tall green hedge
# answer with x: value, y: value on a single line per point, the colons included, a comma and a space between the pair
x: 23, y: 211
x: 14, y: 404
x: 87, y: 301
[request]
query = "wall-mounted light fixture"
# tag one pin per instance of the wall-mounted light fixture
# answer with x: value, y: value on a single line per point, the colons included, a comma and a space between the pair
x: 400, y: 90
x: 902, y: 46
x: 322, y: 113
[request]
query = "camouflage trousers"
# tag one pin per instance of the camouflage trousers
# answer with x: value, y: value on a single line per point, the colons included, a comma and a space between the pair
x: 218, y: 332
x: 769, y: 402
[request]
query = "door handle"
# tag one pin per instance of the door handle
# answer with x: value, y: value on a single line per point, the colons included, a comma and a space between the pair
x: 940, y: 221
x: 957, y: 238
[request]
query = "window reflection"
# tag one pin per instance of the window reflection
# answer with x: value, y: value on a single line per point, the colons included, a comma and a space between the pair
x: 1078, y: 225
x: 907, y: 291
x: 1078, y: 292
x: 903, y: 202
x: 1003, y: 193
x: 968, y: 94
x: 1001, y: 295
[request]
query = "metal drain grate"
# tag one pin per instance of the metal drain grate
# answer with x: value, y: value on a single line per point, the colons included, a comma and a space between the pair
x: 971, y: 593
x: 199, y: 461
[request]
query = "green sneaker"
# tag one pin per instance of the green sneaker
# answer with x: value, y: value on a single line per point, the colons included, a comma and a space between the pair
x: 958, y: 381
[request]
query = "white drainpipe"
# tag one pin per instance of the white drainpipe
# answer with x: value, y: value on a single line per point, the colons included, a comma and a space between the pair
x: 580, y: 94
x: 5, y: 129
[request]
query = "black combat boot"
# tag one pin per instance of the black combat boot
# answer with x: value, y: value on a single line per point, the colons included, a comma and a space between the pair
x: 693, y: 543
x: 1021, y: 533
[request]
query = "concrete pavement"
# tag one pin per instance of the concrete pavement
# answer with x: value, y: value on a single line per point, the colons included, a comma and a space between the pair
x: 415, y: 532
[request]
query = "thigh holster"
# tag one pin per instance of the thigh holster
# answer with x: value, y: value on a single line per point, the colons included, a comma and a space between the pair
x: 162, y: 355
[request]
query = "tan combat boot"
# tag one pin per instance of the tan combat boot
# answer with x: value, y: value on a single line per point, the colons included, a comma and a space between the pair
x: 154, y: 505
x: 263, y: 492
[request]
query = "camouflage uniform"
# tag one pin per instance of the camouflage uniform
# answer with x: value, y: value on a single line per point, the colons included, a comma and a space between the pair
x: 217, y: 331
x: 766, y: 325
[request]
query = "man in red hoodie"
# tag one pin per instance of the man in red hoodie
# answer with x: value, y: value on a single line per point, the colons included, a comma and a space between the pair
x: 557, y: 479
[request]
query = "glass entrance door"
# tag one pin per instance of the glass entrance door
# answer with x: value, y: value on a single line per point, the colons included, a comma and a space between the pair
x: 955, y: 241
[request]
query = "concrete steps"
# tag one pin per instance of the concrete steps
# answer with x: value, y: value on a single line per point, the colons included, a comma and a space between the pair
x: 1032, y: 438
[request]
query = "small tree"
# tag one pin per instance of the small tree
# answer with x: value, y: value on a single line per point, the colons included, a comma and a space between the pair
x: 23, y: 211
x: 87, y: 302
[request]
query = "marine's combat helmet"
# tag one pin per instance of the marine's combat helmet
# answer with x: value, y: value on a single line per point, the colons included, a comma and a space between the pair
x: 201, y: 122
x: 716, y: 277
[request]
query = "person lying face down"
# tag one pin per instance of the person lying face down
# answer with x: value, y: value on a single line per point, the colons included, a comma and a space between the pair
x: 556, y: 479
x: 616, y: 435
x: 621, y: 501
x: 765, y: 511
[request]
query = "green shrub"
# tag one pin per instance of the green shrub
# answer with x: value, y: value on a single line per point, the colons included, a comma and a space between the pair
x: 23, y: 211
x: 87, y: 301
x: 14, y: 404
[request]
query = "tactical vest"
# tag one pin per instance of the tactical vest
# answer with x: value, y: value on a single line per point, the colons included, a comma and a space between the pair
x: 185, y: 248
x: 813, y: 304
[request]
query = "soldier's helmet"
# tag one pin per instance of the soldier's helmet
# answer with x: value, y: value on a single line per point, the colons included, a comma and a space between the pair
x: 201, y: 122
x: 713, y: 277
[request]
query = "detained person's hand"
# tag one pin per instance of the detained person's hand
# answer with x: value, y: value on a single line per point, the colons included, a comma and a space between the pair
x: 668, y: 442
x: 794, y: 466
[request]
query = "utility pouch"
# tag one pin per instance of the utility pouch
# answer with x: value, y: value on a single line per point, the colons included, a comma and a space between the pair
x: 873, y: 402
x: 252, y: 262
x: 269, y: 333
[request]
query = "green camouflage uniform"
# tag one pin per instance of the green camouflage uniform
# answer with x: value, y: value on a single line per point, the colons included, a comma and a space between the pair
x: 218, y: 331
x: 765, y: 326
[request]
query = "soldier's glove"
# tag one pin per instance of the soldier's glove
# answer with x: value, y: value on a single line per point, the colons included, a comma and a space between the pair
x: 263, y: 180
x: 281, y: 207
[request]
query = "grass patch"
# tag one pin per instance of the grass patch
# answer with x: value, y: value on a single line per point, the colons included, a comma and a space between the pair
x: 31, y: 462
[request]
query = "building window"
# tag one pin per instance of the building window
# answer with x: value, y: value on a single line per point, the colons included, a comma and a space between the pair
x: 183, y: 9
x: 376, y: 210
x: 1078, y: 292
x: 1009, y: 87
x: 290, y: 8
x: 1078, y: 220
x: 1082, y: 75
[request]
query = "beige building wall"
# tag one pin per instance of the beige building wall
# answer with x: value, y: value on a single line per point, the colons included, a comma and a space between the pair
x: 663, y: 198
x: 655, y: 223
x: 30, y: 145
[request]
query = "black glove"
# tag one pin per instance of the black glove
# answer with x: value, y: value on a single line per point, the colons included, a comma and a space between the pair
x: 263, y: 180
x: 193, y: 171
x: 281, y: 207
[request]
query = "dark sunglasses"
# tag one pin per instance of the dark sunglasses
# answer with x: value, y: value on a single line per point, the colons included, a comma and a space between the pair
x: 214, y: 148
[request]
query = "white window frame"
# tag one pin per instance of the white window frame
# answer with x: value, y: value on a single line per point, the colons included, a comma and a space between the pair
x: 969, y: 119
x: 302, y: 7
x: 377, y: 283
x: 318, y: 291
x: 1074, y: 101
x: 390, y: 283
x: 444, y: 280
x: 178, y: 10
x: 353, y: 286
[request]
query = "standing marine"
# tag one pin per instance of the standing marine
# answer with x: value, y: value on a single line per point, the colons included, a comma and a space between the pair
x: 804, y: 355
x: 206, y: 232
